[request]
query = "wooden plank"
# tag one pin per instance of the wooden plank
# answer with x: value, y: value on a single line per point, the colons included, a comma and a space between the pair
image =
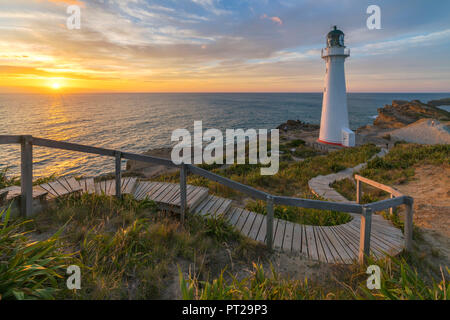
x: 74, y: 184
x: 338, y: 248
x: 90, y: 185
x: 63, y: 182
x: 355, y: 235
x: 288, y: 236
x: 311, y: 242
x: 297, y: 238
x: 140, y: 189
x: 194, y: 201
x: 177, y: 200
x: 320, y: 245
x: 51, y: 193
x: 58, y: 189
x: 278, y: 233
x: 249, y: 223
x: 168, y: 197
x: 262, y: 233
x: 242, y: 219
x: 234, y: 217
x: 217, y: 205
x: 304, y: 242
x: 350, y: 245
x: 205, y: 205
x: 164, y: 191
x: 225, y: 206
x: 149, y: 189
x: 253, y: 233
x: 375, y: 242
x: 129, y: 186
x: 331, y: 254
x: 110, y: 187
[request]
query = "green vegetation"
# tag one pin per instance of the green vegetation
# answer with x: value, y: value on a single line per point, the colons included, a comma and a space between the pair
x: 28, y: 269
x: 128, y: 249
x: 5, y: 181
x: 257, y: 286
x: 398, y: 165
x: 398, y: 282
x: 302, y: 215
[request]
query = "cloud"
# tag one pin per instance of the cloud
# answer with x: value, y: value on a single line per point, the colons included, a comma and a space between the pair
x: 275, y: 19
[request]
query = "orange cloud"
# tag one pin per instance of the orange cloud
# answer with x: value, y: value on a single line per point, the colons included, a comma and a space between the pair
x: 275, y: 19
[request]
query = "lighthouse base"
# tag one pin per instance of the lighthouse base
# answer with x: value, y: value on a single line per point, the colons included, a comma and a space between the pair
x: 330, y: 143
x: 347, y: 139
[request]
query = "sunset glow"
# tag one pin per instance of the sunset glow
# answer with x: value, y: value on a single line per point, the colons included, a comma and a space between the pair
x: 215, y: 46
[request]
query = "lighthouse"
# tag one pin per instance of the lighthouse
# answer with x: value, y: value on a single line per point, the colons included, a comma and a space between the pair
x: 334, y: 126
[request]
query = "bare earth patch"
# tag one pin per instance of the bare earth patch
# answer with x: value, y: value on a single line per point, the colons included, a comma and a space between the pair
x: 431, y: 192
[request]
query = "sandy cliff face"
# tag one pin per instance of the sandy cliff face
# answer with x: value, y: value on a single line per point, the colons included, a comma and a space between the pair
x: 402, y: 113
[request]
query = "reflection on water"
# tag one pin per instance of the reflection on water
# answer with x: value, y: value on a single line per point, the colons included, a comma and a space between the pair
x: 138, y: 122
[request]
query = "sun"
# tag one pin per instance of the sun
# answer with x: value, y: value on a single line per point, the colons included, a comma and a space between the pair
x: 56, y: 86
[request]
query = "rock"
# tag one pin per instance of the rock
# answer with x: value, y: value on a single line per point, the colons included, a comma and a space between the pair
x: 297, y: 125
x: 402, y: 113
x: 440, y: 102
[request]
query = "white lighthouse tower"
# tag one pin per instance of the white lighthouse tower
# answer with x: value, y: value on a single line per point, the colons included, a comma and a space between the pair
x: 334, y: 126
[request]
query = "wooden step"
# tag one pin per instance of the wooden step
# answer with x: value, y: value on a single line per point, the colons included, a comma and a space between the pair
x: 168, y: 196
x: 61, y: 187
x: 213, y: 206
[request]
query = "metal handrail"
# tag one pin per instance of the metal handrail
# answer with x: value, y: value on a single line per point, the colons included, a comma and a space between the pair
x: 27, y: 142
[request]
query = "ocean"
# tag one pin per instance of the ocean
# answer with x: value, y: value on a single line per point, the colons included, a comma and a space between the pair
x: 138, y: 122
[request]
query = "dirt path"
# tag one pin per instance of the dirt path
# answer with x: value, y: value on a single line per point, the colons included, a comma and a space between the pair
x: 431, y: 192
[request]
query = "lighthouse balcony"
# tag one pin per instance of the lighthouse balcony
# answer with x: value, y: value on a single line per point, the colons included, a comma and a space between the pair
x: 335, y: 51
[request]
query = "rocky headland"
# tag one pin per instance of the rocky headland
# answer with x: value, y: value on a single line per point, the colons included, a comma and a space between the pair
x: 402, y: 113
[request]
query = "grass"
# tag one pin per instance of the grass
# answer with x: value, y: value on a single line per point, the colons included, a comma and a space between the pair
x: 398, y: 165
x: 6, y: 181
x: 399, y: 281
x: 302, y: 215
x: 29, y: 269
x: 256, y: 286
x: 128, y: 249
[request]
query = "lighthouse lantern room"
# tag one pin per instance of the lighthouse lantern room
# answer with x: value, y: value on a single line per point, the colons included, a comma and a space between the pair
x: 334, y: 125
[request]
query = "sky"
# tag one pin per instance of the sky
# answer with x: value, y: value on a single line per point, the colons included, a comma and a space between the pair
x: 220, y: 45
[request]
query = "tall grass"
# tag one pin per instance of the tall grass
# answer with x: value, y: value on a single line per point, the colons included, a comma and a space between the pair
x: 28, y: 269
x: 257, y: 286
x: 399, y: 281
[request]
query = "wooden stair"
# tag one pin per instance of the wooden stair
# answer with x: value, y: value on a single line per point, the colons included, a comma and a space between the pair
x: 331, y: 244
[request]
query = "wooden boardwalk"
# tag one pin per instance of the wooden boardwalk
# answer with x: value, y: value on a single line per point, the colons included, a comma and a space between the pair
x: 334, y: 244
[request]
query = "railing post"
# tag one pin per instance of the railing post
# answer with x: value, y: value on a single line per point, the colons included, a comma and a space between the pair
x: 364, y: 240
x: 269, y: 220
x: 183, y: 204
x: 409, y: 224
x: 391, y: 209
x: 26, y: 176
x: 118, y: 174
x: 358, y: 191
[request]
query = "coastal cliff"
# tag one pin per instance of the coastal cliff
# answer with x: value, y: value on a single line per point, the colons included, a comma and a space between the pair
x: 402, y: 113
